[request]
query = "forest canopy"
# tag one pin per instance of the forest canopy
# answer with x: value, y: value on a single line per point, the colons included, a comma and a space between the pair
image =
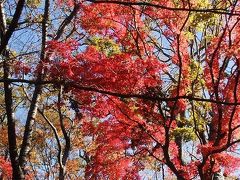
x: 119, y: 89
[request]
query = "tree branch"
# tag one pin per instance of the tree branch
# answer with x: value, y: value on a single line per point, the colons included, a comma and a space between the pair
x: 127, y: 3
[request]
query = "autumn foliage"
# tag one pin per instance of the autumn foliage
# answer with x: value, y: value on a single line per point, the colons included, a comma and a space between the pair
x: 5, y: 168
x: 127, y: 88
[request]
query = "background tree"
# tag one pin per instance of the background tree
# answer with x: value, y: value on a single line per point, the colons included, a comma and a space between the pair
x: 118, y: 89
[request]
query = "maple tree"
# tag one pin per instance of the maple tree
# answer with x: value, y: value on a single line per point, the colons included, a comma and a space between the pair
x: 108, y: 89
